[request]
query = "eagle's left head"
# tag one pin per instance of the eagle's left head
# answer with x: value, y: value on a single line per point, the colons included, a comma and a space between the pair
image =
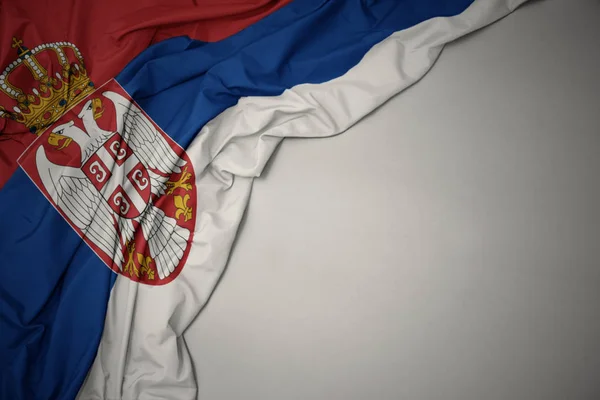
x: 58, y: 138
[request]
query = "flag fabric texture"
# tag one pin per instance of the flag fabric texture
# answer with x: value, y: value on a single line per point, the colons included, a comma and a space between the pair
x: 119, y: 222
x: 104, y: 36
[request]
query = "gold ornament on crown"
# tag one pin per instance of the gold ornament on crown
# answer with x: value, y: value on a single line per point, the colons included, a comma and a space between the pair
x: 50, y: 96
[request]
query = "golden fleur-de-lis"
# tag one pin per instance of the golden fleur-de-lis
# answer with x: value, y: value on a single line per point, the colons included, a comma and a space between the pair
x: 181, y: 183
x: 130, y: 266
x: 145, y: 265
x: 182, y: 207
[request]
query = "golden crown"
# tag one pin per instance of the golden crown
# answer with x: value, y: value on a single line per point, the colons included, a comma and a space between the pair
x: 51, y: 95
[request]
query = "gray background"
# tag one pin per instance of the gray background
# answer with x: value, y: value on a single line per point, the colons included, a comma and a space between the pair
x: 446, y: 247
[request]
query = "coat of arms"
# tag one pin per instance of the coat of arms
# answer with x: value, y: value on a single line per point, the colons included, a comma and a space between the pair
x: 121, y: 182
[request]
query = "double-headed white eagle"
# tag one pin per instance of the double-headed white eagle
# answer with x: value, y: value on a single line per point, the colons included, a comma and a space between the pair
x: 86, y: 207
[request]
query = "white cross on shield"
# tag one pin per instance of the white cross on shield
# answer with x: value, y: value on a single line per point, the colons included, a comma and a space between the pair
x: 119, y: 176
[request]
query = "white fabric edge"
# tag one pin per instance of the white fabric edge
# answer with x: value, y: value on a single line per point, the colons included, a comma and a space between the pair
x: 142, y: 354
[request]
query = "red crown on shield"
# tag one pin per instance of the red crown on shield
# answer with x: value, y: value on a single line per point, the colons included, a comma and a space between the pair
x: 53, y: 90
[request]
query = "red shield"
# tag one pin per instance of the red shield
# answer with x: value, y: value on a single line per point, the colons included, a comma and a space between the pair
x: 118, y: 174
x: 124, y: 180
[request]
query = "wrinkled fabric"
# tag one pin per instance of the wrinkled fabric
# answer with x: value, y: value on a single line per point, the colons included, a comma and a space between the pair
x: 311, y: 69
x: 109, y: 34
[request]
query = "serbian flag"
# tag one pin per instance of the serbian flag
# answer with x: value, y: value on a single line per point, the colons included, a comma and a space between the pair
x: 119, y: 222
x: 100, y: 36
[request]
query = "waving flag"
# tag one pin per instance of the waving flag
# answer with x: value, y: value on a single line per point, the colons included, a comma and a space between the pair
x: 117, y: 227
x: 103, y: 36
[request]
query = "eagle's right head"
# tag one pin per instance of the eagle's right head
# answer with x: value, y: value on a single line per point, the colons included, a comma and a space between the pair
x: 92, y: 109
